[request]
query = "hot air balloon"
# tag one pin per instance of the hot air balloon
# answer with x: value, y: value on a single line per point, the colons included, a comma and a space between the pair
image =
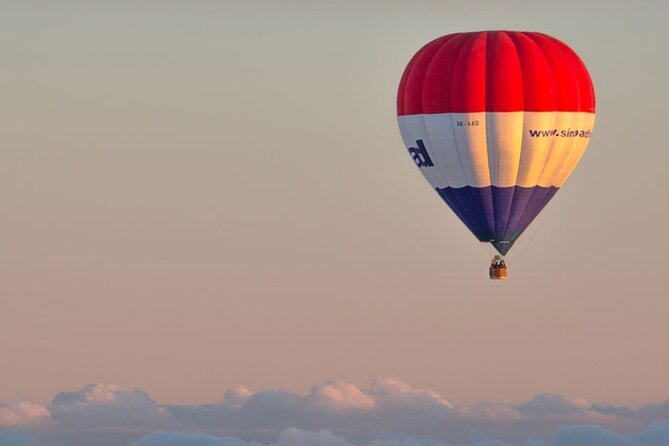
x: 496, y: 121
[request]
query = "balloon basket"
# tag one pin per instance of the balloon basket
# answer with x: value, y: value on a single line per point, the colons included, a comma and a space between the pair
x: 498, y: 268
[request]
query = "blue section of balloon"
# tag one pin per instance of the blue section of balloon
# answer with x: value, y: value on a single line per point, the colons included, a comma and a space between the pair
x: 497, y: 214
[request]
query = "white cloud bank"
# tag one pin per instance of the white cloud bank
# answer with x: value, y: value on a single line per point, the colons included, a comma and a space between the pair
x: 388, y: 413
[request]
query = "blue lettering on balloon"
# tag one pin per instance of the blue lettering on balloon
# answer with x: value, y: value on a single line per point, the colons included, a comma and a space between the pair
x: 420, y: 155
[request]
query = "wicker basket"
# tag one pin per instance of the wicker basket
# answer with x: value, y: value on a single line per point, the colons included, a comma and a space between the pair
x: 498, y: 273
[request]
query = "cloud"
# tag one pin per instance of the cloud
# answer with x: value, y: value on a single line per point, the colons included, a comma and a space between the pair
x: 183, y: 439
x: 389, y: 412
x: 394, y: 392
x: 655, y: 412
x: 493, y: 411
x: 341, y: 395
x: 297, y: 437
x: 287, y: 437
x: 236, y: 396
x: 23, y: 413
x: 653, y: 435
x: 101, y: 405
x: 17, y: 437
x: 547, y: 404
x: 590, y: 436
x: 586, y: 435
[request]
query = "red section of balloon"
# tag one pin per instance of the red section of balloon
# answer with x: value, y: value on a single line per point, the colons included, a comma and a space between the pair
x: 495, y: 71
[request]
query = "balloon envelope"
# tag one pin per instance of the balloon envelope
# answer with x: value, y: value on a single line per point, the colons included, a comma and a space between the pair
x: 496, y: 121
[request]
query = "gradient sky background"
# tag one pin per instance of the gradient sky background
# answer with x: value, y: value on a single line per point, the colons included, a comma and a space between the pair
x: 197, y: 195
